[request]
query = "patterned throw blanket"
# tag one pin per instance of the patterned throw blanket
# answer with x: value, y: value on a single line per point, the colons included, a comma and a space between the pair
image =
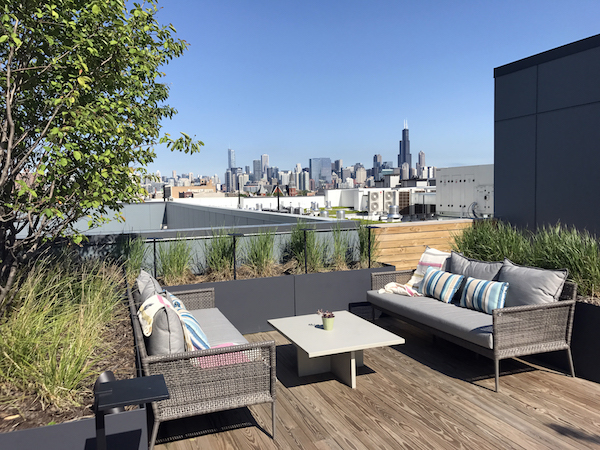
x: 149, y: 309
x: 400, y: 289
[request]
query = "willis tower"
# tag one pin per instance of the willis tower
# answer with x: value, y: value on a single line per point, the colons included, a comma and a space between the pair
x: 404, y: 156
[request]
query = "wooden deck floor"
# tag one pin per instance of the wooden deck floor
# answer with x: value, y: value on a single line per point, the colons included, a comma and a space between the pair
x: 422, y: 394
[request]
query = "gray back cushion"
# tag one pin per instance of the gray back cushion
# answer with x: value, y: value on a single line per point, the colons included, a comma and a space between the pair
x: 167, y: 334
x: 147, y: 286
x: 531, y: 285
x: 481, y: 270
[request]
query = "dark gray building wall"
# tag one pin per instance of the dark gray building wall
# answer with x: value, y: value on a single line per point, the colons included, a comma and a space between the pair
x: 547, y: 137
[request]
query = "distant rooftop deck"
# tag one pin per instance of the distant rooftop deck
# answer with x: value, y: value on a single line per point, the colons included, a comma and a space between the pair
x: 423, y: 394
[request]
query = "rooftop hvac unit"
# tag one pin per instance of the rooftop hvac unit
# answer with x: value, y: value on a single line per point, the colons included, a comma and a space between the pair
x: 375, y: 202
x: 390, y: 199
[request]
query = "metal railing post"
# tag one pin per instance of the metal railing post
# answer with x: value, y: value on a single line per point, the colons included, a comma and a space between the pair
x: 234, y: 236
x: 370, y: 227
x: 305, y: 254
x: 154, y: 244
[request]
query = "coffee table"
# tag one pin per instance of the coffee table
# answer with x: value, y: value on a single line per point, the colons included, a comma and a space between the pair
x: 340, y: 350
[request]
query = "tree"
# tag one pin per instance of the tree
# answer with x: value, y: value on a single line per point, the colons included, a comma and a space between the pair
x: 81, y: 107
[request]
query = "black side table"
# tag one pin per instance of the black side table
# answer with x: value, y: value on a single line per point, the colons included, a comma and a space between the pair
x: 116, y: 394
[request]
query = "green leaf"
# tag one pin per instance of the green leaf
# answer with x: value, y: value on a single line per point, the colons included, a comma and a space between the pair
x: 77, y: 155
x: 96, y: 9
x: 3, y: 38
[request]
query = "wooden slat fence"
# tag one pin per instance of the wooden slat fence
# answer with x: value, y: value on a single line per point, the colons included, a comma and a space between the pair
x: 402, y: 244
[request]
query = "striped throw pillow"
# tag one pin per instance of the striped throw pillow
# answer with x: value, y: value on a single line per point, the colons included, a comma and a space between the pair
x: 431, y: 257
x: 483, y: 295
x: 440, y: 285
x: 197, y: 336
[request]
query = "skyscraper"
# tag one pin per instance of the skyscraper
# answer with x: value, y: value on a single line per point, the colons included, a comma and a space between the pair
x: 376, y: 167
x: 404, y: 156
x: 264, y: 160
x: 421, y: 165
x: 231, y: 158
x: 338, y: 166
x: 256, y: 170
x: 320, y: 170
x: 405, y: 171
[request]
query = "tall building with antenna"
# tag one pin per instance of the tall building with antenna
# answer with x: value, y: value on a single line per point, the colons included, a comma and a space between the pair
x: 404, y: 156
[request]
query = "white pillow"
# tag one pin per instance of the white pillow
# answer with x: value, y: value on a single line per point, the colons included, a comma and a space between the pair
x: 431, y: 257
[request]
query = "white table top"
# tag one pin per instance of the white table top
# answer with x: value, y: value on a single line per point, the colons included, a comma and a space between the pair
x: 350, y: 333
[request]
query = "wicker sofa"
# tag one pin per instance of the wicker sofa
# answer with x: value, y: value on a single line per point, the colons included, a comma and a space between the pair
x: 506, y: 333
x: 215, y: 379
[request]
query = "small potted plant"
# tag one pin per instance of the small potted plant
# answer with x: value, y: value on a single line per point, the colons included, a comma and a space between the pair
x: 327, y: 319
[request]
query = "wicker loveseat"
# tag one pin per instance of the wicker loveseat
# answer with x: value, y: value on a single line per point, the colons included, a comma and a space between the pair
x: 210, y: 380
x: 508, y: 332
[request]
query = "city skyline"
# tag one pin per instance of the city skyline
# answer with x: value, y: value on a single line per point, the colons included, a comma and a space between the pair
x: 336, y: 79
x: 319, y: 169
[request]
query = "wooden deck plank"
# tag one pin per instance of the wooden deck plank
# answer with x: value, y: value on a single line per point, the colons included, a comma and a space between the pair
x: 425, y: 394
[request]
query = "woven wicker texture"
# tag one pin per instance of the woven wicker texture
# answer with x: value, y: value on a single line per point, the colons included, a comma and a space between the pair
x: 523, y: 330
x: 380, y: 279
x: 198, y: 299
x: 517, y: 331
x: 209, y: 380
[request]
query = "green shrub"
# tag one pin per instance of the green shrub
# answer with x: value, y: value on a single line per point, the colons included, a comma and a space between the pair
x: 53, y: 335
x: 218, y: 253
x: 258, y: 251
x: 175, y: 261
x: 492, y: 240
x: 549, y: 247
x: 363, y: 244
x: 132, y: 253
x: 316, y: 249
x: 342, y: 252
x: 566, y: 247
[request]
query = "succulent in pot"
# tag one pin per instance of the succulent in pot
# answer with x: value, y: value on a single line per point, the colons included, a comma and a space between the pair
x: 327, y: 318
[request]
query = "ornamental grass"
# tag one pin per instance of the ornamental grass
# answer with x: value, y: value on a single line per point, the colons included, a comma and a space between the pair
x: 549, y: 247
x: 51, y: 337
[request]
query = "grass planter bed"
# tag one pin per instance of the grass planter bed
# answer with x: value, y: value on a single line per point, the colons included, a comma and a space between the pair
x: 66, y: 328
x: 127, y: 429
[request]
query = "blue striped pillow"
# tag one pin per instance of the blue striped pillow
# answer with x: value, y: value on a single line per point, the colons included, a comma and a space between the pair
x: 440, y: 285
x: 483, y: 295
x: 199, y: 339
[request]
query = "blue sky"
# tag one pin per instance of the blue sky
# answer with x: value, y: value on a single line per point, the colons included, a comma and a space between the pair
x: 307, y: 79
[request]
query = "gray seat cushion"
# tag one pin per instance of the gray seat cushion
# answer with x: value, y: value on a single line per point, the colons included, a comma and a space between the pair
x: 167, y: 334
x: 531, y: 285
x: 217, y: 328
x: 472, y: 326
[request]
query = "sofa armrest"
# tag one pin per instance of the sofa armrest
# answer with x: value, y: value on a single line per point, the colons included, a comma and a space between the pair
x: 380, y: 279
x: 569, y: 291
x: 215, y: 379
x: 197, y: 298
x: 528, y: 329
